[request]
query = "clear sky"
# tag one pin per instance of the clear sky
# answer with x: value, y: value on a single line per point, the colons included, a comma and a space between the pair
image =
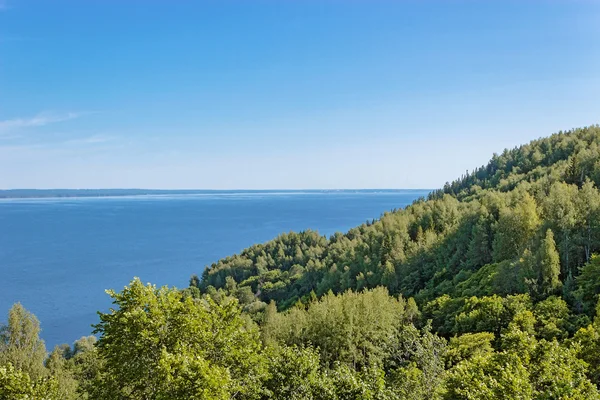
x: 285, y: 93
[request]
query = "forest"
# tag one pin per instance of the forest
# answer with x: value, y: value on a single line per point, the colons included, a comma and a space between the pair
x: 487, y: 289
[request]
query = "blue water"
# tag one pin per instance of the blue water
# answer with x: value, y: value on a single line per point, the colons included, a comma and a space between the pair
x: 57, y: 256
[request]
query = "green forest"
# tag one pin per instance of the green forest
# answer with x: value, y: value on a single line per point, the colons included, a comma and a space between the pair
x: 487, y: 289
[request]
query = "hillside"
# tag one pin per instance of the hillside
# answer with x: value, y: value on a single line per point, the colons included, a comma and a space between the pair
x: 487, y: 290
x: 480, y: 235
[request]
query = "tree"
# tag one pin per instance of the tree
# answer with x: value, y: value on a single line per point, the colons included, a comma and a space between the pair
x: 416, y: 363
x: 20, y: 344
x: 548, y: 265
x: 589, y: 283
x: 86, y: 365
x: 485, y: 314
x: 59, y: 369
x: 351, y: 328
x: 560, y: 209
x: 556, y: 373
x: 552, y: 315
x: 515, y: 228
x: 469, y: 345
x: 480, y: 246
x: 349, y: 384
x: 489, y: 377
x: 588, y: 204
x: 295, y: 373
x: 159, y: 344
x: 18, y: 385
x: 524, y: 368
x: 588, y: 343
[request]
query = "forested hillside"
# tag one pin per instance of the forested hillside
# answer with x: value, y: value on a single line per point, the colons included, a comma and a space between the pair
x: 496, y: 230
x: 488, y: 289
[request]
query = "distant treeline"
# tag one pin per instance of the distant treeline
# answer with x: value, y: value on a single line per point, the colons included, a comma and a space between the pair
x: 58, y: 193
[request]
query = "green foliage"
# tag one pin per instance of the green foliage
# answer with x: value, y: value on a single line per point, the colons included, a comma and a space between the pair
x: 350, y: 328
x: 492, y: 377
x: 349, y: 384
x: 515, y: 228
x: 84, y: 362
x: 417, y: 363
x: 489, y: 313
x: 589, y: 283
x: 295, y: 373
x: 556, y: 372
x: 442, y: 313
x: 541, y: 370
x: 20, y: 344
x: 160, y: 344
x: 588, y: 341
x: 552, y: 316
x: 468, y: 346
x: 563, y: 215
x: 18, y: 385
x: 59, y: 370
x: 549, y: 265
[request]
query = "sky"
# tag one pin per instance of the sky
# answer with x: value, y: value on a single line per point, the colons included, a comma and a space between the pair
x: 285, y: 94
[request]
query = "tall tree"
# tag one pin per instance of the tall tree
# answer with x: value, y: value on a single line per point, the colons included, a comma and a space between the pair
x: 561, y: 211
x: 548, y: 265
x: 20, y: 344
x: 588, y: 204
x: 59, y: 369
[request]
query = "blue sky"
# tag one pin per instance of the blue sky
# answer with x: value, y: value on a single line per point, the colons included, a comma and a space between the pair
x: 285, y: 94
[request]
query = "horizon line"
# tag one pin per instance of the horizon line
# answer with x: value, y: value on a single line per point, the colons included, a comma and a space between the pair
x: 204, y: 190
x: 24, y: 194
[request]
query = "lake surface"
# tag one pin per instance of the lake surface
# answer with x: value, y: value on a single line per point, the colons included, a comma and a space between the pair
x: 57, y: 256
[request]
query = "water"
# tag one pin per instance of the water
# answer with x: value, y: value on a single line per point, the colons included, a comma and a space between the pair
x: 57, y: 256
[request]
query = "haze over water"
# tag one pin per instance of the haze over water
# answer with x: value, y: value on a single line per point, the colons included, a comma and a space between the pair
x: 57, y: 256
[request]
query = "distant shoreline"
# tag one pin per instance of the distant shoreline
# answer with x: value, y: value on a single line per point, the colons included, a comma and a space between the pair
x: 73, y: 193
